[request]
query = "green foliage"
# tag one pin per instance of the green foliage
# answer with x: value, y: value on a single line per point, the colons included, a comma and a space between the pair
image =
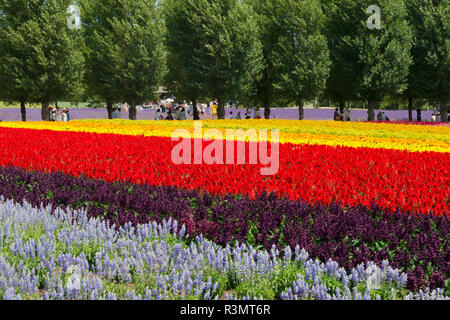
x: 259, y: 288
x: 296, y: 56
x: 125, y: 54
x: 283, y: 280
x: 214, y: 46
x: 368, y: 63
x: 185, y: 50
x: 40, y: 61
x: 303, y: 52
x: 430, y: 73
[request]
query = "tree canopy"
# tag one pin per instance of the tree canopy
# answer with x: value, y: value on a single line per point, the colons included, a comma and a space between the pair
x: 41, y: 61
x: 371, y: 62
x: 126, y: 57
x: 224, y: 56
x: 270, y: 52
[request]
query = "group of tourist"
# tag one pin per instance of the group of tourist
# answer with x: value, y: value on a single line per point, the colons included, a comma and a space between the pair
x: 436, y: 116
x: 381, y: 116
x: 116, y: 112
x: 59, y: 114
x: 177, y: 111
x: 180, y: 111
x: 345, y: 116
x: 168, y: 109
x: 214, y: 106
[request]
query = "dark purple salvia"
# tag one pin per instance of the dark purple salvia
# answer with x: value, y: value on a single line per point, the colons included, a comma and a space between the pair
x: 418, y: 244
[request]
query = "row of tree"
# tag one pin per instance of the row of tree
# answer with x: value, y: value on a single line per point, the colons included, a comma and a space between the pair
x: 267, y: 52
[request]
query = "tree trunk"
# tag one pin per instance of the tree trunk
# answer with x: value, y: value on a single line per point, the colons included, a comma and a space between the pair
x: 266, y: 108
x: 23, y: 111
x: 109, y: 108
x: 410, y: 109
x: 195, y: 110
x: 341, y: 107
x: 221, y: 109
x: 45, y: 114
x: 371, y: 110
x: 444, y: 109
x: 132, y: 111
x: 301, y: 110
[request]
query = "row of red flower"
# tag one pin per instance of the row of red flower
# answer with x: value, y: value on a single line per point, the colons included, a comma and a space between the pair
x: 418, y: 182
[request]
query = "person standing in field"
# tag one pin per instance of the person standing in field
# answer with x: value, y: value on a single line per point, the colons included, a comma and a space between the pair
x: 116, y: 113
x: 51, y: 114
x: 347, y: 115
x: 433, y: 117
x: 337, y: 116
x: 214, y: 110
x: 58, y: 114
x: 65, y: 115
x: 257, y: 114
x: 169, y: 115
x: 182, y: 113
x: 158, y: 115
x: 379, y: 116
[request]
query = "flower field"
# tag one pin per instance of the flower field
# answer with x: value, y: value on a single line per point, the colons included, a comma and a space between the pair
x: 155, y: 263
x: 353, y: 134
x: 369, y: 200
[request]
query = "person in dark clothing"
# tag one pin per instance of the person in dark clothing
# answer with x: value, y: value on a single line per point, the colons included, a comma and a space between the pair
x: 337, y: 115
x: 379, y: 116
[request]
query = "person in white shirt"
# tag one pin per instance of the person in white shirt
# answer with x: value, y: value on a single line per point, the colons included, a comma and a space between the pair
x: 158, y: 115
x: 347, y: 115
x: 58, y: 114
x: 64, y: 115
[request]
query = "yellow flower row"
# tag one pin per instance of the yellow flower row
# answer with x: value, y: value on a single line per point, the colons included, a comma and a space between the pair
x: 352, y: 134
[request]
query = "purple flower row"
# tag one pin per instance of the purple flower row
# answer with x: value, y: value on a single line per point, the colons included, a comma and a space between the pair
x: 418, y: 245
x: 278, y: 113
x: 66, y: 255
